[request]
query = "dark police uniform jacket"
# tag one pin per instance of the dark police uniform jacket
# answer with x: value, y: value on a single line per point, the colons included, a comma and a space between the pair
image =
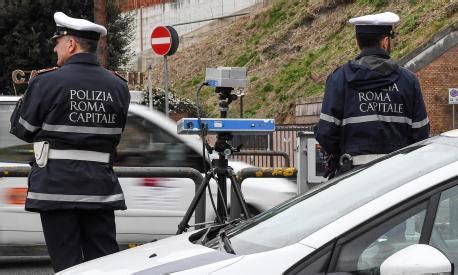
x: 371, y: 106
x: 80, y: 109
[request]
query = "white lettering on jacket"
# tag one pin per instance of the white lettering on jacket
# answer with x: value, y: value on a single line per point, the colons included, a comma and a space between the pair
x: 380, y: 101
x: 89, y: 107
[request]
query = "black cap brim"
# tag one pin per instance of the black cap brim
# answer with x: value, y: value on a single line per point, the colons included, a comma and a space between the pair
x: 377, y: 29
x: 61, y: 31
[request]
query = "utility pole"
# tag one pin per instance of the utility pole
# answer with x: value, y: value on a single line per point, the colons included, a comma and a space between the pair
x: 100, y: 17
x: 140, y: 60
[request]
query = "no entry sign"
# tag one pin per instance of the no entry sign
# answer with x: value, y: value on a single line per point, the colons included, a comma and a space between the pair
x: 164, y: 40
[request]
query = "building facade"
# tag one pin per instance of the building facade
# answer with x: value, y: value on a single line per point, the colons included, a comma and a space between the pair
x: 436, y: 65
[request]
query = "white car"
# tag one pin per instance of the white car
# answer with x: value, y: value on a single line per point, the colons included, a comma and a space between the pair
x: 155, y: 205
x: 395, y: 215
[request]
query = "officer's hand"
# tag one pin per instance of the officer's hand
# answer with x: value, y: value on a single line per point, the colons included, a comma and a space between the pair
x: 331, y: 166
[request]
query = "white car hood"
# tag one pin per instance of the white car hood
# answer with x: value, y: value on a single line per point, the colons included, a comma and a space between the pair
x: 165, y: 256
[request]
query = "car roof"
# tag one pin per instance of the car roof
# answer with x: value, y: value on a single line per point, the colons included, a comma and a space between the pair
x: 167, y: 124
x: 9, y: 98
x: 452, y: 133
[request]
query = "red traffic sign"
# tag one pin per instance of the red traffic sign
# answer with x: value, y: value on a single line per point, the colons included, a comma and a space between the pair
x: 164, y: 40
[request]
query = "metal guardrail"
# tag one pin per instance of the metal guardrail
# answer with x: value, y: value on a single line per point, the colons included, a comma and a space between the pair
x: 182, y: 172
x: 254, y: 172
x: 137, y: 172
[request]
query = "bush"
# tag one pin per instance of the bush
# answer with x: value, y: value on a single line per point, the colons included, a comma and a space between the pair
x: 176, y: 104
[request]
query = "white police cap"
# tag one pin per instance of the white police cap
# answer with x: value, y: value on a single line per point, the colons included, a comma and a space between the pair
x: 381, y: 23
x: 67, y: 25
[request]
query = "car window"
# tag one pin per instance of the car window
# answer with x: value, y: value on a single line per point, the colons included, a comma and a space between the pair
x: 444, y: 235
x: 7, y: 139
x: 296, y: 219
x: 144, y: 143
x: 17, y: 154
x: 365, y: 253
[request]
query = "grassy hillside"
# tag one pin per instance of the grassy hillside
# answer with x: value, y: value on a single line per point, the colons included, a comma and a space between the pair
x: 291, y: 47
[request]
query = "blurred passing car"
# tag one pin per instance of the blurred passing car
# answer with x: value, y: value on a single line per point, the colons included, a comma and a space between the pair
x: 395, y: 215
x: 155, y: 205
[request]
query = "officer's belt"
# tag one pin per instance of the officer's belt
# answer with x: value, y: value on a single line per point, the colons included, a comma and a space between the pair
x: 363, y: 159
x: 79, y: 155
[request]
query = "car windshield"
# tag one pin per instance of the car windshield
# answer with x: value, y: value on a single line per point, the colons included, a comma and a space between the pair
x: 296, y: 219
x: 7, y: 139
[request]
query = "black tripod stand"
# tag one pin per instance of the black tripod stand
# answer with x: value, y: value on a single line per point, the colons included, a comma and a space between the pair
x: 219, y: 170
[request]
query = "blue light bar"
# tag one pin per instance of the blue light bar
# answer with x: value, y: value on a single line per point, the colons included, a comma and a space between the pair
x: 191, y: 126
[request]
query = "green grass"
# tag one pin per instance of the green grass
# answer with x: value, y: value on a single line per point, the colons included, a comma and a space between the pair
x: 376, y: 3
x: 314, y: 89
x: 268, y: 87
x: 190, y: 84
x: 410, y: 24
x: 277, y: 14
x: 251, y: 111
x: 304, y: 73
x: 298, y: 69
x: 244, y: 58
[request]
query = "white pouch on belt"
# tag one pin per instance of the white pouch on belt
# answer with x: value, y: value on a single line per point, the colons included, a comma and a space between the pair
x: 41, y: 151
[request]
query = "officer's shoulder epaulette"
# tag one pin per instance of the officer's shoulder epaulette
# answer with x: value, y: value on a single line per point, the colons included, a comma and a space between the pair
x: 42, y: 71
x: 118, y: 75
x: 47, y: 70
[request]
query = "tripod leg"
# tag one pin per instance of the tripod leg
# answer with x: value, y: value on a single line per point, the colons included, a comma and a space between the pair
x: 184, y: 224
x: 221, y: 202
x: 238, y: 193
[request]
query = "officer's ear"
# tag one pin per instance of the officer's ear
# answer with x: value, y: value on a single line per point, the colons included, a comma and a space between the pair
x: 358, y: 44
x: 73, y: 45
x: 385, y: 43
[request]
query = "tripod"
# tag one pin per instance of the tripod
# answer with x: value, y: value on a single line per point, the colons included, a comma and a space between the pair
x: 219, y: 169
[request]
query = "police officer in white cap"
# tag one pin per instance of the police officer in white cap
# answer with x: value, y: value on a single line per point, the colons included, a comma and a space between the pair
x: 371, y: 106
x: 74, y: 114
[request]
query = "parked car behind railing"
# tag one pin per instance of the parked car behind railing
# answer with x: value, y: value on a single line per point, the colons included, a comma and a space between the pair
x: 155, y: 205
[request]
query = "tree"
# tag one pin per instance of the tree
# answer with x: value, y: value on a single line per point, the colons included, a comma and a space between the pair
x: 27, y: 25
x: 121, y: 32
x: 100, y: 17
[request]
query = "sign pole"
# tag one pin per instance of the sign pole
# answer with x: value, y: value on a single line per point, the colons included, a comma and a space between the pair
x: 150, y: 93
x: 453, y: 99
x: 453, y: 114
x: 166, y: 86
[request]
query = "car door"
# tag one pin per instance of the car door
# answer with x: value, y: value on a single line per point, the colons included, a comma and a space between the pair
x: 17, y: 227
x: 429, y: 218
x: 155, y: 205
x: 444, y: 234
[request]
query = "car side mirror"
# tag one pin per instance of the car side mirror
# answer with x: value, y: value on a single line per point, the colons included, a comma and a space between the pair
x: 417, y: 259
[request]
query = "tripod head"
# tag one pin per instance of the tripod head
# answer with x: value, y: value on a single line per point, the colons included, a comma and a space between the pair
x: 225, y: 99
x: 222, y: 145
